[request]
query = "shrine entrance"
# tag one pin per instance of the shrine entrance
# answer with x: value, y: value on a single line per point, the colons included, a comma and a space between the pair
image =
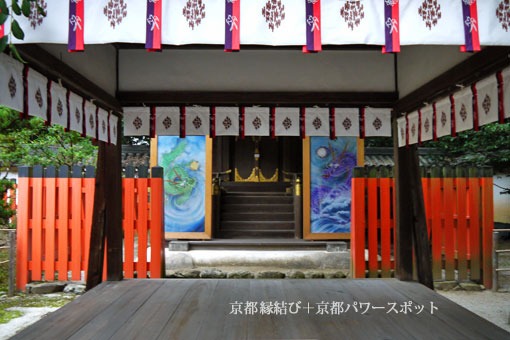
x: 256, y: 176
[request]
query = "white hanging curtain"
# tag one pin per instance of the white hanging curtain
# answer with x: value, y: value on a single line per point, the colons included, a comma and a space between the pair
x: 347, y: 122
x: 402, y: 131
x: 227, y: 121
x: 168, y: 121
x: 256, y: 121
x: 37, y: 94
x: 113, y: 128
x: 316, y: 121
x: 287, y: 121
x: 197, y: 121
x: 414, y: 126
x: 443, y: 117
x: 487, y: 92
x: 102, y: 125
x: 427, y: 123
x: 59, y: 113
x: 11, y: 83
x: 90, y: 119
x: 377, y: 122
x: 463, y: 103
x: 506, y: 91
x: 75, y: 112
x: 137, y: 121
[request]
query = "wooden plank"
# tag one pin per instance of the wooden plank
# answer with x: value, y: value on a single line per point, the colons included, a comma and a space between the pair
x: 37, y: 223
x: 449, y: 240
x: 157, y: 265
x: 63, y: 221
x: 68, y: 320
x: 488, y: 225
x: 450, y: 314
x: 372, y: 228
x: 358, y: 224
x: 51, y: 205
x: 142, y: 217
x: 461, y: 175
x: 76, y: 222
x: 112, y: 318
x: 384, y: 187
x: 128, y: 223
x: 474, y: 224
x: 24, y: 174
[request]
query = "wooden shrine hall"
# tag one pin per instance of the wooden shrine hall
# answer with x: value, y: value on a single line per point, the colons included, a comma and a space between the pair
x: 257, y: 121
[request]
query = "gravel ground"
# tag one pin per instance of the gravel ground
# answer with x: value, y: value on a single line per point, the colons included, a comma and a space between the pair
x: 494, y: 307
x: 30, y: 316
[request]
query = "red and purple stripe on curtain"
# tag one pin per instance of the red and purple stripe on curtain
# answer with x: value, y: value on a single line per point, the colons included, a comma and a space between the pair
x: 1, y: 29
x: 232, y: 23
x: 313, y: 26
x: 470, y: 20
x: 153, y: 25
x: 76, y: 25
x: 391, y: 26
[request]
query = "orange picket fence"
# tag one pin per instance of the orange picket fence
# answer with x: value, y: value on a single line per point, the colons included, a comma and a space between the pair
x: 459, y: 210
x: 54, y: 220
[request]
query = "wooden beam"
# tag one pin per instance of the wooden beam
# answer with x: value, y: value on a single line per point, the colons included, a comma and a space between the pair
x: 217, y: 47
x: 481, y: 64
x: 377, y: 99
x: 403, y: 209
x: 47, y: 64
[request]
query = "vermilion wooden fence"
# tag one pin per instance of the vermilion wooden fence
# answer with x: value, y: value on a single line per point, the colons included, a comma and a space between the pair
x: 54, y: 218
x: 459, y: 210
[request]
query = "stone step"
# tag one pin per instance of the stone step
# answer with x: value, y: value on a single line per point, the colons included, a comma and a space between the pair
x: 241, y: 234
x: 256, y: 225
x: 262, y: 208
x: 256, y: 199
x: 254, y: 216
x: 255, y: 186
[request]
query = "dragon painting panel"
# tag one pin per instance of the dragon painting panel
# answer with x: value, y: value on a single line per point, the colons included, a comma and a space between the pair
x: 332, y: 163
x: 183, y: 161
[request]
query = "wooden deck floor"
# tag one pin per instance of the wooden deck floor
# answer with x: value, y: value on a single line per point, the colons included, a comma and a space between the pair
x: 201, y: 309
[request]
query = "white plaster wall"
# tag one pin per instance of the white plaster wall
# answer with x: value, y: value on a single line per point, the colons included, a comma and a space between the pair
x: 96, y: 63
x: 419, y: 64
x: 501, y: 202
x: 255, y: 70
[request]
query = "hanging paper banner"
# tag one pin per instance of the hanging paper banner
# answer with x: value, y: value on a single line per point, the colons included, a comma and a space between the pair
x: 346, y: 122
x: 153, y: 25
x: 137, y: 121
x: 102, y: 125
x: 413, y: 127
x: 313, y: 26
x: 317, y: 121
x: 391, y: 26
x: 197, y: 121
x: 272, y: 22
x: 227, y: 121
x: 11, y: 83
x: 377, y: 122
x: 232, y: 24
x: 75, y: 112
x: 493, y: 21
x: 470, y: 20
x: 76, y: 25
x: 426, y: 21
x: 113, y: 123
x: 59, y: 113
x: 505, y: 74
x: 427, y: 124
x: 90, y: 119
x: 168, y: 121
x: 443, y: 117
x: 256, y: 121
x: 37, y: 94
x: 463, y: 101
x: 402, y: 131
x: 352, y: 22
x: 287, y: 121
x: 487, y: 100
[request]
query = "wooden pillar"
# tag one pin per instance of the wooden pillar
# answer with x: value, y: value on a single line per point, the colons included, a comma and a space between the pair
x: 107, y: 215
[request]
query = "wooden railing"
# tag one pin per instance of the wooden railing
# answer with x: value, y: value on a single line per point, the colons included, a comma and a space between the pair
x: 459, y: 210
x: 54, y: 218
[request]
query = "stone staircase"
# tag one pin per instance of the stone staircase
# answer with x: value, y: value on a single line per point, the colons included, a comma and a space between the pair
x: 256, y: 210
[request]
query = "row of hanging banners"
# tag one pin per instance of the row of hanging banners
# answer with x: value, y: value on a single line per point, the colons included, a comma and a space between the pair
x: 25, y: 90
x: 481, y: 103
x: 307, y: 23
